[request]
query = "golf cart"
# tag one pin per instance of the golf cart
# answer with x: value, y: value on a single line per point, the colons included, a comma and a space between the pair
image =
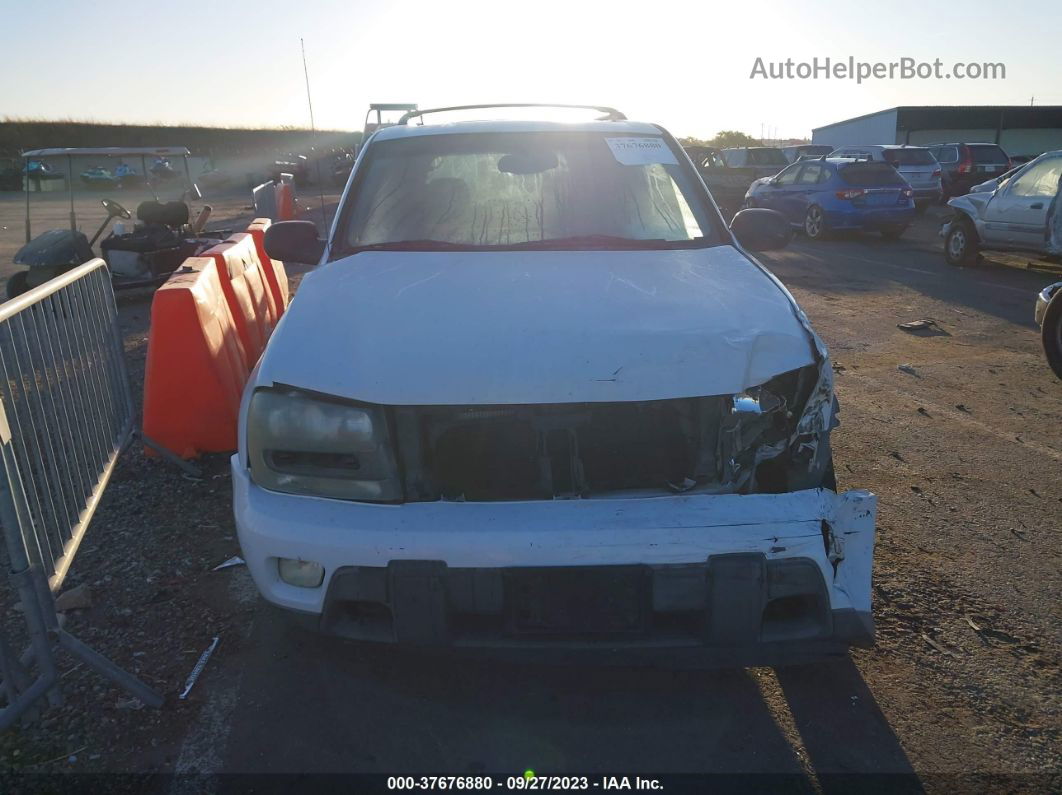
x: 161, y: 238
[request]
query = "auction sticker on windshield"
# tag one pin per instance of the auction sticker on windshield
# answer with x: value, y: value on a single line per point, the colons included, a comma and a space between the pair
x: 641, y: 151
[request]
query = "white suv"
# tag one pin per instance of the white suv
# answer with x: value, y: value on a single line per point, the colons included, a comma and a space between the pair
x: 915, y: 164
x: 537, y: 395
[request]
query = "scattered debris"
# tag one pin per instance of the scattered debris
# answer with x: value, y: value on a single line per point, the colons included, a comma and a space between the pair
x: 925, y: 328
x: 897, y: 456
x: 962, y: 407
x: 1018, y: 534
x: 972, y: 624
x: 937, y: 646
x: 916, y: 490
x: 199, y: 666
x: 78, y: 598
x: 909, y: 369
x: 923, y: 412
x: 235, y: 560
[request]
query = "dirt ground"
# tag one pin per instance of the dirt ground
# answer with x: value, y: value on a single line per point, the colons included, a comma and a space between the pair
x: 961, y: 693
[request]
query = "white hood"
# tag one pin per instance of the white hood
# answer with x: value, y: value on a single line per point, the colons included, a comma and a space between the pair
x: 458, y: 328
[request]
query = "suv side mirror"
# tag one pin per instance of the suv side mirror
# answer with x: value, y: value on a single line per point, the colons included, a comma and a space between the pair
x: 759, y: 229
x: 294, y: 241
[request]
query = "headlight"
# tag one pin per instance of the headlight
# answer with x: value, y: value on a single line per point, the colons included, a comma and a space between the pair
x: 307, y: 445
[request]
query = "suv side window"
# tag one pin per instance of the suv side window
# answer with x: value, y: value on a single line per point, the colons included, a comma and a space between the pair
x: 947, y: 154
x: 1040, y: 181
x: 713, y: 160
x: 788, y: 177
x: 811, y: 175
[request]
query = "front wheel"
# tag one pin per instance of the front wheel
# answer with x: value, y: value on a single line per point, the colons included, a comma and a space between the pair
x: 17, y: 284
x: 815, y: 223
x: 1051, y: 333
x: 960, y: 245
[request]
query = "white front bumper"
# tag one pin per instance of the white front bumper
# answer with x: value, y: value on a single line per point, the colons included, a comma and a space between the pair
x: 590, y: 532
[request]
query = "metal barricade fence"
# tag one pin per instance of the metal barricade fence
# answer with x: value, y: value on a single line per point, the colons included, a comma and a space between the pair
x: 66, y: 414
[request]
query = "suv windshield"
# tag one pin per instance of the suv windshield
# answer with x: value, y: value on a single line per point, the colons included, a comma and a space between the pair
x: 909, y: 157
x: 523, y: 191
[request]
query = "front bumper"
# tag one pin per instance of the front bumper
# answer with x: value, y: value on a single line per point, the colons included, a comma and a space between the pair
x: 752, y: 579
x: 928, y: 195
x: 1043, y: 298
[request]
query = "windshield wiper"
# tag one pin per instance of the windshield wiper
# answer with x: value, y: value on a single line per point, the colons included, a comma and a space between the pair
x: 414, y: 245
x: 605, y: 242
x: 549, y: 244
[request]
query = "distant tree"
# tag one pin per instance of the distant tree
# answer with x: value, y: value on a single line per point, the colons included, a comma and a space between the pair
x: 732, y: 138
x: 689, y: 140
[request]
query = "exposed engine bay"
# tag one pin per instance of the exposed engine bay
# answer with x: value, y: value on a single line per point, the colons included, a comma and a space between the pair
x: 772, y: 438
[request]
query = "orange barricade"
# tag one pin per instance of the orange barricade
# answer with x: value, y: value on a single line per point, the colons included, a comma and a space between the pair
x: 274, y: 271
x: 243, y: 283
x: 196, y: 366
x: 285, y: 193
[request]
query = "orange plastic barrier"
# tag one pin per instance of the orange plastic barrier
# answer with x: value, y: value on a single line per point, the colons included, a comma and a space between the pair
x: 274, y: 271
x: 243, y: 283
x: 285, y: 193
x: 196, y: 365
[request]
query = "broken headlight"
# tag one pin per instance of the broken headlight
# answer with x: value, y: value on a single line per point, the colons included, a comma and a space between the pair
x: 302, y: 444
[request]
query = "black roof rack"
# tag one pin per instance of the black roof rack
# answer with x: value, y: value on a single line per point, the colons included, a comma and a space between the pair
x: 611, y: 114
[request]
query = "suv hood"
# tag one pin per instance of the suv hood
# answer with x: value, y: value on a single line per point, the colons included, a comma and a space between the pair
x: 459, y: 328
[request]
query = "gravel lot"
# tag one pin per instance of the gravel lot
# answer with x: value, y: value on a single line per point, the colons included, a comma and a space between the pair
x: 964, y: 683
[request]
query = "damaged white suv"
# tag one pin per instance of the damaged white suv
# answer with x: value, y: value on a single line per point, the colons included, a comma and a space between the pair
x: 537, y: 394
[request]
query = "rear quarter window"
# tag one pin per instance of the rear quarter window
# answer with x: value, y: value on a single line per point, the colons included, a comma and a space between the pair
x: 947, y: 154
x: 870, y: 175
x: 988, y: 154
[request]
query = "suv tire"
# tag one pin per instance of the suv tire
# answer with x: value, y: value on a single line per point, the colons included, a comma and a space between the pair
x: 815, y: 223
x: 960, y: 245
x: 1051, y: 333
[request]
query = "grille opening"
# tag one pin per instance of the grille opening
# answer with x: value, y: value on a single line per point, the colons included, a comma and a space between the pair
x: 487, y: 459
x: 550, y: 451
x: 793, y: 617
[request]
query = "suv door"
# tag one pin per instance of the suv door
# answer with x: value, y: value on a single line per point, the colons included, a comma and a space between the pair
x: 1017, y: 215
x: 775, y: 193
x: 795, y: 200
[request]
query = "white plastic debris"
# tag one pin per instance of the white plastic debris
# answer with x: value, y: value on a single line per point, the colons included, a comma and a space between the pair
x: 235, y: 560
x: 189, y: 683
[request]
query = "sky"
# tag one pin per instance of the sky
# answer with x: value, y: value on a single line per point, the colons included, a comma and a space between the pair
x: 685, y: 64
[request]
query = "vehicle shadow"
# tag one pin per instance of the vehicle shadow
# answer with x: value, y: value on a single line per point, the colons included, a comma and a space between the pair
x: 849, y: 742
x: 343, y: 707
x: 857, y: 264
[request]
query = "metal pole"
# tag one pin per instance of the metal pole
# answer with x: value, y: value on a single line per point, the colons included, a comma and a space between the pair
x: 70, y: 189
x: 25, y: 167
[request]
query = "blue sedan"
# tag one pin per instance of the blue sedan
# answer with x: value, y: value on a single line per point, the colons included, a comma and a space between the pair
x: 822, y: 196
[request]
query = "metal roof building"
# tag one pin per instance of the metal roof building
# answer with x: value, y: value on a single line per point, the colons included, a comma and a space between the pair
x: 1019, y: 129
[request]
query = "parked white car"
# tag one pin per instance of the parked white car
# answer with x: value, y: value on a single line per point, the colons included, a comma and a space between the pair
x: 537, y: 395
x: 1014, y: 217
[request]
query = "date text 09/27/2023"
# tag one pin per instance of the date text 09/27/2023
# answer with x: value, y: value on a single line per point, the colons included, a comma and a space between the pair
x: 528, y: 781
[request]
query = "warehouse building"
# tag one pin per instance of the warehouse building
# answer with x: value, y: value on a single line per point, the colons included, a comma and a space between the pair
x: 1019, y: 129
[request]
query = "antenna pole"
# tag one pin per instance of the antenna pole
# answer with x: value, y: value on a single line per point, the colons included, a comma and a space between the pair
x: 313, y: 136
